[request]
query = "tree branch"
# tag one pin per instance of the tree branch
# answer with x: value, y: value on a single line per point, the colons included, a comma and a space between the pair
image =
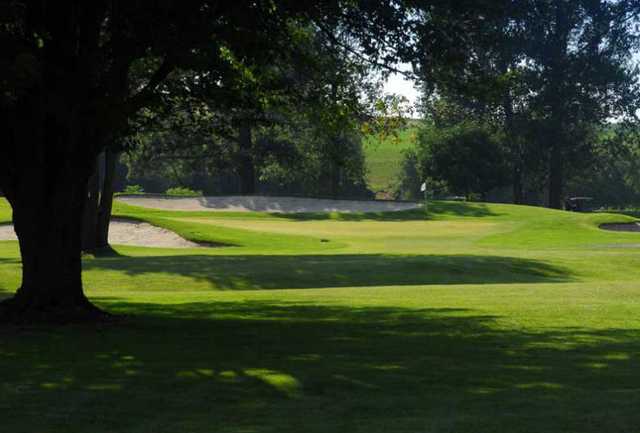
x: 359, y: 55
x: 144, y: 96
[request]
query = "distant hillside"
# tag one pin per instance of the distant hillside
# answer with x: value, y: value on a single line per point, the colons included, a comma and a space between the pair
x: 384, y: 158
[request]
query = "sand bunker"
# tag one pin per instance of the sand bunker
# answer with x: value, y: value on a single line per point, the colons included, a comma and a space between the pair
x: 127, y: 232
x: 621, y: 227
x: 265, y: 204
x: 122, y: 232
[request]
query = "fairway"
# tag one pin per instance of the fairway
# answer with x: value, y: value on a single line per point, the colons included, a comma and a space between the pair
x: 470, y: 317
x: 384, y: 157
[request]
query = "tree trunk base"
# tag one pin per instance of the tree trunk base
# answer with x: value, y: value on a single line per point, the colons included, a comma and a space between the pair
x: 24, y: 309
x: 104, y: 251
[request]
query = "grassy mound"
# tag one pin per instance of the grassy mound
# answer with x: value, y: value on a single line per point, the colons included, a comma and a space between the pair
x: 384, y: 157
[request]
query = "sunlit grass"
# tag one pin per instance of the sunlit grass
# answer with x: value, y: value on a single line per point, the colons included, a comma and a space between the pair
x: 383, y: 157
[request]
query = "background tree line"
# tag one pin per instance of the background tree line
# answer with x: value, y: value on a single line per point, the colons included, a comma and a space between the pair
x: 543, y: 102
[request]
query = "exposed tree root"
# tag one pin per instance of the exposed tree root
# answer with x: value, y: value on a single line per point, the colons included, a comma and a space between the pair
x: 23, y: 310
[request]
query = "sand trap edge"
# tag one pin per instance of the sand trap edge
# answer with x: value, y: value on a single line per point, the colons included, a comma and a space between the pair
x: 621, y: 227
x: 132, y: 232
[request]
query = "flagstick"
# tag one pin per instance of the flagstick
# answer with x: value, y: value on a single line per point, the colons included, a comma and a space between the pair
x: 423, y: 187
x: 425, y: 199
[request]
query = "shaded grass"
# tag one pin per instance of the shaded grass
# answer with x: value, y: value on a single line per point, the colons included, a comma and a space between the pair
x: 311, y: 271
x: 269, y: 366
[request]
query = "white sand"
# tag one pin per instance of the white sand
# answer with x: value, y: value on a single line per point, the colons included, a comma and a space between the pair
x: 265, y: 204
x: 146, y: 235
x: 128, y: 233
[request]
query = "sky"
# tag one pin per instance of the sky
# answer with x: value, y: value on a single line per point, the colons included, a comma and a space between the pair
x: 397, y: 83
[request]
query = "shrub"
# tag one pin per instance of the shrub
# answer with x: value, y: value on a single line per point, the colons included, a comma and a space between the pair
x: 183, y: 192
x: 133, y: 189
x: 407, y: 186
x: 470, y: 158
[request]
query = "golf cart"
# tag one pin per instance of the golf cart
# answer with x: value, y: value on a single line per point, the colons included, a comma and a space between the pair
x: 577, y: 204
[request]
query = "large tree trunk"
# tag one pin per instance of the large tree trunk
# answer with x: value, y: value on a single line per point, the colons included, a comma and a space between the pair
x: 246, y: 169
x: 335, y: 173
x: 50, y: 247
x: 48, y: 190
x: 48, y: 195
x: 97, y: 213
x: 514, y: 143
x: 89, y: 226
x: 518, y: 187
x: 556, y: 179
x: 65, y: 101
x: 106, y: 199
x: 558, y: 108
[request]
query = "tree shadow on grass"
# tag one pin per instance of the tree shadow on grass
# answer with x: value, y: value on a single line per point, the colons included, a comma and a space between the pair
x: 435, y: 210
x: 291, y: 367
x: 10, y: 268
x: 311, y: 271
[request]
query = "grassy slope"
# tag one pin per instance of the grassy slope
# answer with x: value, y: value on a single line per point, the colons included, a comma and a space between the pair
x: 384, y: 158
x: 5, y: 211
x: 468, y: 318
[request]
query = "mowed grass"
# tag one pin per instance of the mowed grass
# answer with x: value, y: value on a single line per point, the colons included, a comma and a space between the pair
x: 383, y: 157
x: 466, y: 318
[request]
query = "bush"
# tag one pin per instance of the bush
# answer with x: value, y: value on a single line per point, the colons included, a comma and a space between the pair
x: 470, y: 158
x: 133, y: 189
x: 183, y: 192
x: 407, y: 186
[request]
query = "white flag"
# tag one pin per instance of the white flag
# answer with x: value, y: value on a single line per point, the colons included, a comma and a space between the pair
x: 423, y: 187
